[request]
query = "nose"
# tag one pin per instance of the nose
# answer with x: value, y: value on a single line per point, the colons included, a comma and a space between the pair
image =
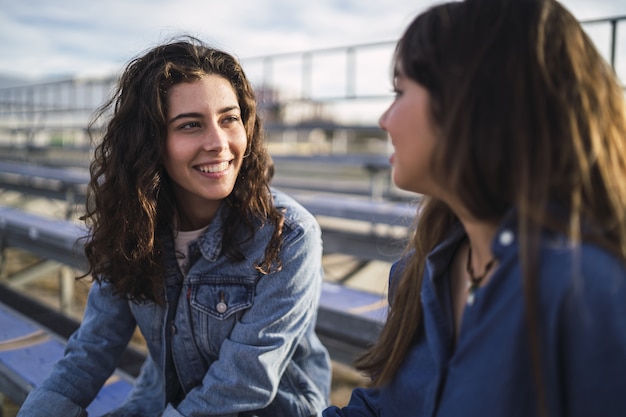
x: 215, y: 139
x: 382, y: 120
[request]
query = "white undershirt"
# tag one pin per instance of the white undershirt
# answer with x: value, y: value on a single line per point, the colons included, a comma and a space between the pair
x: 181, y: 243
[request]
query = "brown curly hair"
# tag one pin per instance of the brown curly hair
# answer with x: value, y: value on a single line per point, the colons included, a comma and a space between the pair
x: 131, y: 203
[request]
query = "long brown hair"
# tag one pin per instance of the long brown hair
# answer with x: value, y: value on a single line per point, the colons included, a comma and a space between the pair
x: 528, y: 114
x: 130, y: 198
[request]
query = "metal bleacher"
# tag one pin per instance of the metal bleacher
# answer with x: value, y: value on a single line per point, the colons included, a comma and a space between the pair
x: 27, y: 353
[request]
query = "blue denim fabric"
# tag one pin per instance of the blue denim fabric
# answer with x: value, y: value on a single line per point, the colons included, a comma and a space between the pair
x: 488, y: 372
x: 229, y: 342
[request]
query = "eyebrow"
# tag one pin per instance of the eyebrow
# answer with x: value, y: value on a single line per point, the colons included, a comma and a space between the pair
x: 195, y: 115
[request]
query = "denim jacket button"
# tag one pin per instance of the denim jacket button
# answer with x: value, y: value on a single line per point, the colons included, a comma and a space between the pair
x: 221, y: 307
x: 506, y: 237
x: 173, y: 328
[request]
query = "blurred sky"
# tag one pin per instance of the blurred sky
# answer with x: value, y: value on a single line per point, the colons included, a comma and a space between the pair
x: 56, y: 38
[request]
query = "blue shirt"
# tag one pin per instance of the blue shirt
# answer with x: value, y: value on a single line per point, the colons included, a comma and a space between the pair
x: 582, y: 300
x: 229, y: 340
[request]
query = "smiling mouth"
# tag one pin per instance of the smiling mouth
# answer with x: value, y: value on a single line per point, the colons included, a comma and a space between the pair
x: 222, y: 166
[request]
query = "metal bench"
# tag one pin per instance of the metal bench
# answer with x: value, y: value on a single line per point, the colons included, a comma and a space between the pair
x: 27, y: 353
x: 70, y: 186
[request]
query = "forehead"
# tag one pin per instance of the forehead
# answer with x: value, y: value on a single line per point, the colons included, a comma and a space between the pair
x: 398, y: 67
x: 207, y: 89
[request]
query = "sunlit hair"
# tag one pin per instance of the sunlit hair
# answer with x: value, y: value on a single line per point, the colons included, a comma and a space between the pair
x: 529, y: 116
x: 131, y: 204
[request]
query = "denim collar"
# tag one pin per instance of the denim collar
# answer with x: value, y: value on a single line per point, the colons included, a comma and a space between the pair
x: 210, y: 243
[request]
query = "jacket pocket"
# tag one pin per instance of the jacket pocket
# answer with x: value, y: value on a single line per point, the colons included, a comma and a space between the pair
x: 220, y: 301
x: 215, y: 310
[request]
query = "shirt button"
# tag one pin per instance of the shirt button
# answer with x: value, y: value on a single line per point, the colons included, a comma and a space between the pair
x: 221, y: 307
x: 173, y: 328
x: 506, y: 237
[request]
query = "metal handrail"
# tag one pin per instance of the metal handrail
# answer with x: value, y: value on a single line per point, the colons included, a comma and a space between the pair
x: 613, y: 21
x: 20, y: 101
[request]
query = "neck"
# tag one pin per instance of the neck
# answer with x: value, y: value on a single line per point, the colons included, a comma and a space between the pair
x: 189, y: 219
x: 479, y: 233
x: 480, y: 236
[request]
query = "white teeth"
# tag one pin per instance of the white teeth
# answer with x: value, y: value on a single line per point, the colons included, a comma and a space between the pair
x: 222, y: 166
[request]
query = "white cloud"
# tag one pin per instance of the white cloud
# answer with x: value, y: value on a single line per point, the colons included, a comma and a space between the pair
x: 42, y: 37
x: 66, y: 36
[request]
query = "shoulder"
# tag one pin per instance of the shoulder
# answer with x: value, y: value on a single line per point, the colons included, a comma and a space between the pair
x: 301, y: 233
x: 601, y: 286
x: 297, y: 217
x: 583, y: 283
x: 571, y: 265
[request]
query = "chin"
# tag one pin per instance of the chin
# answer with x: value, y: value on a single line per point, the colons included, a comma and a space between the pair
x: 400, y: 182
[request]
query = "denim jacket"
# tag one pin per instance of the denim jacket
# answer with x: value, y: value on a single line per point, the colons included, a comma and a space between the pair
x: 229, y: 341
x: 488, y: 371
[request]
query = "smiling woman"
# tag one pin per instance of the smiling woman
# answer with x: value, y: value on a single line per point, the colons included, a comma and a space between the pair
x: 221, y: 273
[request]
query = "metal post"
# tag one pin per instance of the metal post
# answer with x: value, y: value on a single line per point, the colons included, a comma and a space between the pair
x: 307, y: 75
x: 66, y: 286
x: 613, y: 41
x: 267, y: 72
x: 351, y: 72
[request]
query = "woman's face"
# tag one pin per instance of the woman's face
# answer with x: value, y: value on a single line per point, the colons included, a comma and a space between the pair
x: 412, y: 135
x: 206, y: 142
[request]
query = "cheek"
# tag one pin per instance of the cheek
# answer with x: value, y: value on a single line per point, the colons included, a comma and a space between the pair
x: 412, y: 162
x: 170, y: 167
x: 178, y: 150
x: 169, y: 151
x: 240, y: 145
x: 175, y: 156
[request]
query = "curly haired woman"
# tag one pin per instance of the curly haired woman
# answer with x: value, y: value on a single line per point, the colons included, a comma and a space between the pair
x: 221, y: 273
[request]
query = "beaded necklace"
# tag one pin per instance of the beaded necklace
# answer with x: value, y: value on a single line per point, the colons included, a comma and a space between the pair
x: 475, y: 281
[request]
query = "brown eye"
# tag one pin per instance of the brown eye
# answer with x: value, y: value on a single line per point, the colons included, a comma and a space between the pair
x: 189, y: 125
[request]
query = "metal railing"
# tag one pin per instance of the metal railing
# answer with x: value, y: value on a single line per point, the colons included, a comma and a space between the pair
x: 613, y: 23
x: 349, y: 55
x: 307, y: 89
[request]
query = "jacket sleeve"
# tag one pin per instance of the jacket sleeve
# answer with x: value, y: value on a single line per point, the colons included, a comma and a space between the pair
x: 90, y: 358
x: 364, y: 402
